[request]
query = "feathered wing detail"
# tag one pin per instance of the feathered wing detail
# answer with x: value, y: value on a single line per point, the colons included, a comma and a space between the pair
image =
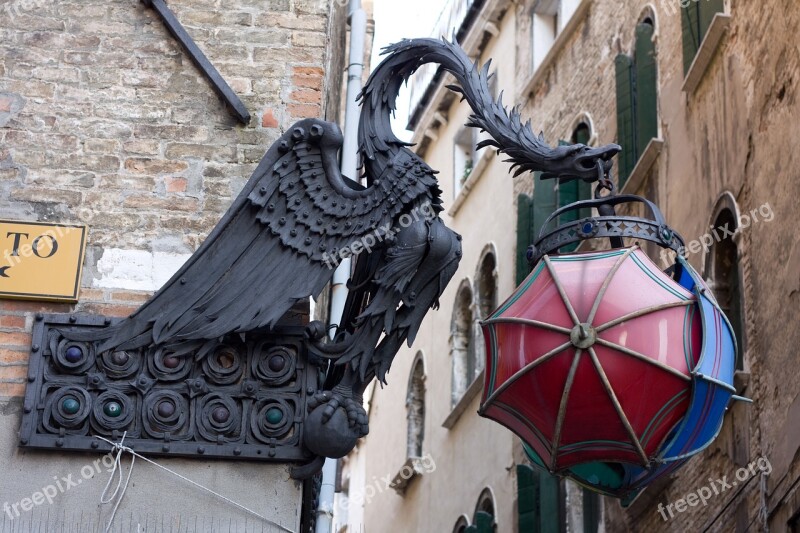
x: 277, y: 244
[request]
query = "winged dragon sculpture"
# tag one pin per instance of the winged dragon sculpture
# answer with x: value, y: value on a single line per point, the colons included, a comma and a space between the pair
x: 274, y: 245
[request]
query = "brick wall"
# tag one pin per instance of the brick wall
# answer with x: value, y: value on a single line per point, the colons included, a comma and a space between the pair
x: 105, y: 121
x: 732, y: 134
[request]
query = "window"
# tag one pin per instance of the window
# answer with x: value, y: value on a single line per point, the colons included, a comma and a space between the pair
x: 464, y: 157
x: 548, y: 195
x: 541, y: 502
x: 415, y: 408
x: 637, y: 98
x: 466, y: 154
x: 461, y: 524
x: 462, y: 345
x: 483, y: 518
x: 722, y: 272
x: 487, y: 282
x: 696, y: 18
x: 548, y: 19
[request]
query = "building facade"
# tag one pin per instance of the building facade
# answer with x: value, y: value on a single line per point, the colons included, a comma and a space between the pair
x: 702, y: 102
x: 106, y: 122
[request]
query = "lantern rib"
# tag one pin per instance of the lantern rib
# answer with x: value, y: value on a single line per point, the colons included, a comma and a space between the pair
x: 642, y: 357
x: 562, y: 409
x: 527, y: 322
x: 607, y: 282
x: 615, y: 401
x: 561, y: 290
x: 642, y: 312
x: 524, y: 370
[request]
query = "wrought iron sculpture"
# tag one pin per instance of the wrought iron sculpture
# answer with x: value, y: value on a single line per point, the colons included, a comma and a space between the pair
x: 297, y: 214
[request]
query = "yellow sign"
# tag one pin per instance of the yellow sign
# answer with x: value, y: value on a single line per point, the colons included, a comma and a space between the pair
x: 40, y: 261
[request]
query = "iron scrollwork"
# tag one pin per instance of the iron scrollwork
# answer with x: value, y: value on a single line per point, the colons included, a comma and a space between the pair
x: 246, y: 398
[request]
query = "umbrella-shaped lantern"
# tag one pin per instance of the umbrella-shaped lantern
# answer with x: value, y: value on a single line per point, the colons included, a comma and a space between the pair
x: 611, y: 371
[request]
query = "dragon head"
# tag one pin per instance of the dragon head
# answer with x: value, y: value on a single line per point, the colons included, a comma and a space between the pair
x: 578, y: 161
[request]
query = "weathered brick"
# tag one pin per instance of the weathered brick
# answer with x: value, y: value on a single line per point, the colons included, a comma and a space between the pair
x: 171, y: 132
x: 32, y: 307
x: 142, y: 146
x: 299, y: 111
x: 201, y: 151
x: 91, y: 162
x: 127, y: 182
x: 268, y: 119
x: 308, y: 38
x: 38, y: 194
x: 60, y: 178
x: 306, y: 96
x: 101, y: 146
x: 154, y: 166
x: 11, y: 321
x: 110, y: 310
x: 175, y: 184
x: 8, y: 357
x: 15, y: 339
x: 12, y: 389
x: 129, y: 297
x: 163, y: 204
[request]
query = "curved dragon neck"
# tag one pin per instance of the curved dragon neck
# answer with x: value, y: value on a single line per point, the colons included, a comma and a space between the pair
x: 376, y: 139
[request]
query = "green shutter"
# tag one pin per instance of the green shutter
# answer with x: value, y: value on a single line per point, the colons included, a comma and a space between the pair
x: 707, y: 10
x: 484, y: 523
x: 572, y: 191
x: 550, y: 503
x: 625, y: 117
x: 524, y: 237
x: 527, y: 499
x: 544, y: 202
x: 692, y: 35
x: 646, y: 88
x: 591, y: 511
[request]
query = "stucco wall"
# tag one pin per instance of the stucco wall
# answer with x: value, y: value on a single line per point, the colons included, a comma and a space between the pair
x: 729, y: 135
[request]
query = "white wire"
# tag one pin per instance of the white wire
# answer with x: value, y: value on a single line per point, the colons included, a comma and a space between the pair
x: 120, y: 447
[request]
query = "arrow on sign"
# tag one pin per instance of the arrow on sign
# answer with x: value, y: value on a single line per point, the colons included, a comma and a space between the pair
x: 3, y: 272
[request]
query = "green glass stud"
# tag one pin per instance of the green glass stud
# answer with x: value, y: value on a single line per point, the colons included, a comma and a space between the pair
x: 70, y: 405
x: 112, y: 409
x: 274, y: 415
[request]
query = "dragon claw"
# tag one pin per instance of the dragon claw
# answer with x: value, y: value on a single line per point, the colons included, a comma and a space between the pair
x: 332, y: 401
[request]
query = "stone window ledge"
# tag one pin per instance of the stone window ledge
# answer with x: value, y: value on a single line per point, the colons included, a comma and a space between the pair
x: 475, y: 388
x: 559, y: 44
x: 706, y: 52
x: 472, y: 179
x: 412, y: 468
x: 643, y: 166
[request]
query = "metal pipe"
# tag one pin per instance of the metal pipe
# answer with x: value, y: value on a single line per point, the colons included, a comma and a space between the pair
x: 349, y: 168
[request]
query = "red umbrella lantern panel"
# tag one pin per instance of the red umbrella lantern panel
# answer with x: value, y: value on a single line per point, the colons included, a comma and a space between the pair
x: 590, y: 359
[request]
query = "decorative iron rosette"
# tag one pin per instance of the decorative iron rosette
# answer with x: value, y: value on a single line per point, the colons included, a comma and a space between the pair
x: 275, y: 365
x: 71, y: 357
x: 272, y: 419
x: 164, y: 365
x: 218, y: 417
x: 120, y: 364
x: 225, y: 364
x: 113, y: 411
x: 166, y: 415
x: 67, y: 408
